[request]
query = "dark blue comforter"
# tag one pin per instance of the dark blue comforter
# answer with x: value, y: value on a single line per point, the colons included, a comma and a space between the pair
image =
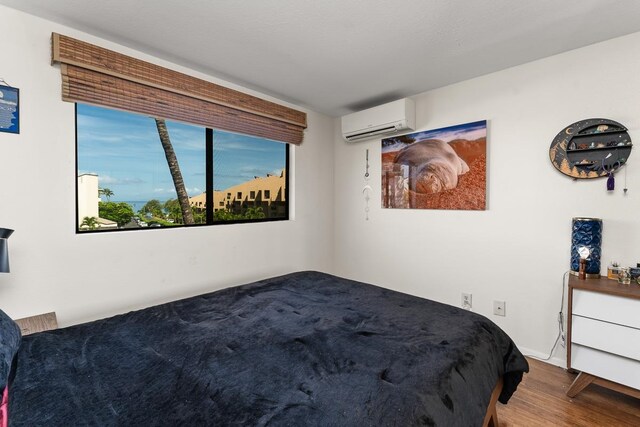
x: 302, y: 349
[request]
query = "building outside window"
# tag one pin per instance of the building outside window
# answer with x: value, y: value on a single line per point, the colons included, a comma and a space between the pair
x: 124, y: 180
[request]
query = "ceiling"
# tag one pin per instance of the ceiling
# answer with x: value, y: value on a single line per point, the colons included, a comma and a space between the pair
x: 339, y: 56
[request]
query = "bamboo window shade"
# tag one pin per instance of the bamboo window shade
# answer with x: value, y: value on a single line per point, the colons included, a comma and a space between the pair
x: 95, y: 75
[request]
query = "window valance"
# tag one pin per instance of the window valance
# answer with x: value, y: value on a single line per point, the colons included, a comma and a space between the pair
x: 95, y: 75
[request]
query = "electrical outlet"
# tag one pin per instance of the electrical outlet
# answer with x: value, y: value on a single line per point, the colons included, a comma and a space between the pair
x: 466, y: 301
x: 499, y: 308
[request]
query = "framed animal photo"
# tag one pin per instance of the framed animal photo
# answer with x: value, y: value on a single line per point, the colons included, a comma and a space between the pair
x: 436, y: 169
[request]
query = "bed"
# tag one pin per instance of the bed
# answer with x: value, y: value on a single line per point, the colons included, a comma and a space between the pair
x: 306, y: 348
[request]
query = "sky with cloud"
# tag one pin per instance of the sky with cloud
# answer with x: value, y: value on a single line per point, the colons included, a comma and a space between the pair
x: 124, y: 150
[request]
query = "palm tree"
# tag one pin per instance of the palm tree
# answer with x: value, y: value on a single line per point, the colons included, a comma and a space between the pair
x: 90, y: 222
x: 106, y: 192
x: 174, y: 168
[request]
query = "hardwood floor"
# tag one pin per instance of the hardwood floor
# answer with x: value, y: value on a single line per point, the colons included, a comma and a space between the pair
x: 541, y: 401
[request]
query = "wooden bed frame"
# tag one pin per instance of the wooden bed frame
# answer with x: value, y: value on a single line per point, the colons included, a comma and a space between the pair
x: 491, y: 419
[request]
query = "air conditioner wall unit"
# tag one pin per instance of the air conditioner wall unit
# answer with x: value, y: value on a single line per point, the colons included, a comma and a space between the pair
x: 384, y: 119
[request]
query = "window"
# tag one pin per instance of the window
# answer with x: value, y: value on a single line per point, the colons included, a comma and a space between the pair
x: 124, y: 180
x: 252, y: 195
x: 267, y: 194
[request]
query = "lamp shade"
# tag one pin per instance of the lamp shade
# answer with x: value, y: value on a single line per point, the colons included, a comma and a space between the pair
x: 4, y: 249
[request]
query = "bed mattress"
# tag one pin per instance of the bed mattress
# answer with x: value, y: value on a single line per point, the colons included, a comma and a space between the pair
x: 306, y: 348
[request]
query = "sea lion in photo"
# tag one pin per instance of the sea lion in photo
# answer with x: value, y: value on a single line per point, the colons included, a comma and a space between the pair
x: 433, y: 166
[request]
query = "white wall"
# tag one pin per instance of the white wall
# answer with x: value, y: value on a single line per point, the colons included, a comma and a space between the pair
x: 84, y: 277
x: 515, y: 251
x: 518, y: 249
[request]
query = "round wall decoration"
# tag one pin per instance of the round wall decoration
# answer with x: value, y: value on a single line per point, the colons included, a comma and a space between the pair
x: 591, y: 148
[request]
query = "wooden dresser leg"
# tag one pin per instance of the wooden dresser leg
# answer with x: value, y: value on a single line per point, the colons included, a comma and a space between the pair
x: 581, y: 381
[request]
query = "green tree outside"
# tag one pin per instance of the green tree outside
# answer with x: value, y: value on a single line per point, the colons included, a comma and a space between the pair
x: 254, y: 212
x: 174, y: 169
x: 199, y: 216
x: 89, y: 223
x: 118, y: 212
x: 106, y: 192
x: 173, y: 210
x: 153, y: 207
x: 224, y: 215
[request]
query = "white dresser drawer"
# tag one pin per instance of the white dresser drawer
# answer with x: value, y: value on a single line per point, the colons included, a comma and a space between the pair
x: 611, y: 308
x: 612, y: 338
x: 606, y: 365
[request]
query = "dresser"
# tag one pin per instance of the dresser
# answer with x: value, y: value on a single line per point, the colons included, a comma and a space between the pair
x: 604, y: 335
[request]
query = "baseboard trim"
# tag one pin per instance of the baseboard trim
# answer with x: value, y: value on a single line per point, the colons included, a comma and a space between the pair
x: 554, y: 360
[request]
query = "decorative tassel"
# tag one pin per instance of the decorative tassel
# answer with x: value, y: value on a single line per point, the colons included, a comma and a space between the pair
x: 611, y: 182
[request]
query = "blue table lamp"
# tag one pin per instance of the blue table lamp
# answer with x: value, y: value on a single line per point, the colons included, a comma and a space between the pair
x: 586, y: 243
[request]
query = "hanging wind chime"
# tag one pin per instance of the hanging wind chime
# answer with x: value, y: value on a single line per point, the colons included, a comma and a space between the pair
x: 366, y: 190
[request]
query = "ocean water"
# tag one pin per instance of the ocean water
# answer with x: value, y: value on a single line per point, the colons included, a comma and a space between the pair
x: 136, y: 205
